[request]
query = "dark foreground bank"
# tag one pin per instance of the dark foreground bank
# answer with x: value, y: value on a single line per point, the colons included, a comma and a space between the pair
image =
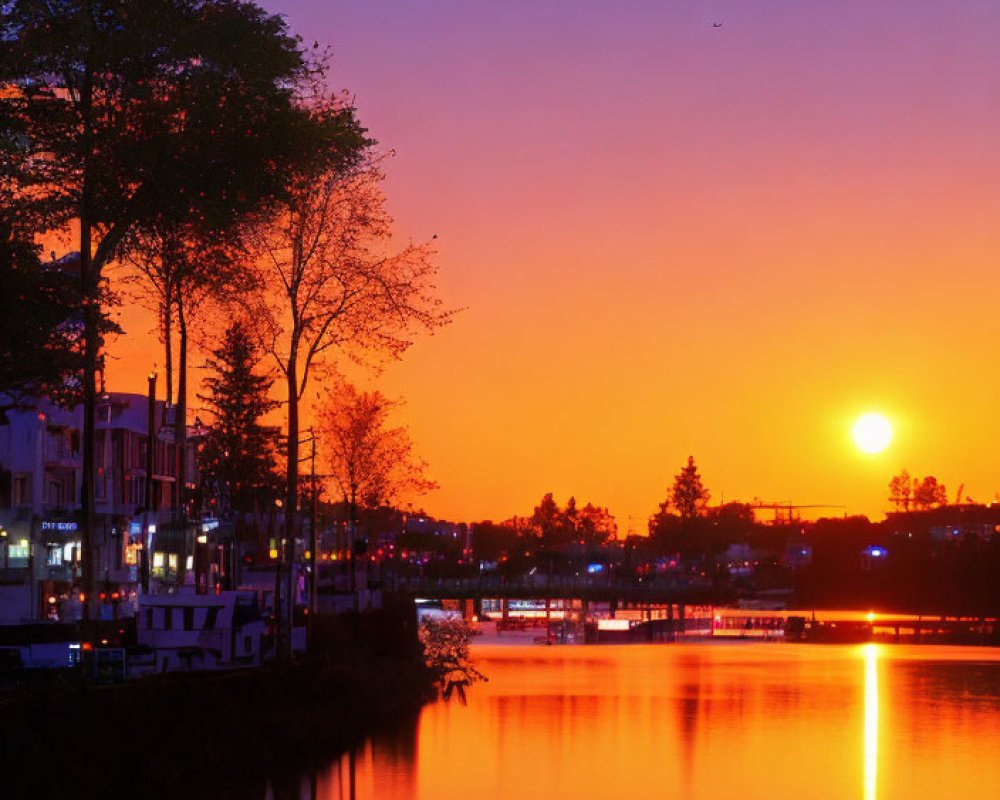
x: 192, y: 735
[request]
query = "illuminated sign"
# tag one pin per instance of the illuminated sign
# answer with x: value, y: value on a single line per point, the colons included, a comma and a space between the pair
x: 531, y: 605
x: 62, y: 527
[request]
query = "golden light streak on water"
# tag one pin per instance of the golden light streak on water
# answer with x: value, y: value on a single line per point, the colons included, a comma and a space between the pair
x: 871, y: 653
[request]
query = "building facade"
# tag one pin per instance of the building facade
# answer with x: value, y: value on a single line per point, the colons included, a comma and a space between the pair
x: 41, y: 470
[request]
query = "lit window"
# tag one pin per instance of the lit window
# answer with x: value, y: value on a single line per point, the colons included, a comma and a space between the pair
x: 19, y: 549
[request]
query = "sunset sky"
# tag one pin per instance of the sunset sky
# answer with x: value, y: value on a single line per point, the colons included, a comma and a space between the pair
x: 670, y: 238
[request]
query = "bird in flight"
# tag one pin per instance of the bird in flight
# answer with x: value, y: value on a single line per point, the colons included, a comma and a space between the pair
x: 716, y: 24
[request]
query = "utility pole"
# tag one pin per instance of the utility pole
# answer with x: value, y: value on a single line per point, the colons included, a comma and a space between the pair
x: 352, y: 544
x: 145, y: 538
x: 313, y: 537
x: 313, y: 543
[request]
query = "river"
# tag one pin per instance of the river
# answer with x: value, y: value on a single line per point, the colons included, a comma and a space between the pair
x: 751, y: 720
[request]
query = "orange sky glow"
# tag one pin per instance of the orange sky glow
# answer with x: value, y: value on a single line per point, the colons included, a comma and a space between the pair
x: 671, y: 239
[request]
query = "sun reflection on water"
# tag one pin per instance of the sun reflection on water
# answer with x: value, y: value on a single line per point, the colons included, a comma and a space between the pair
x: 871, y: 720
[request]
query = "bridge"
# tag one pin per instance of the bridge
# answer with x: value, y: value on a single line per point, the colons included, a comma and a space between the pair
x: 676, y: 589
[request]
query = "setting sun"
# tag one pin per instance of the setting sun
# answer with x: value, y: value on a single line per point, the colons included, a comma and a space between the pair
x: 872, y: 433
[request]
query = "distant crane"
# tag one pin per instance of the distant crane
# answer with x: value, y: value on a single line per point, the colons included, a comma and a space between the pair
x: 789, y: 508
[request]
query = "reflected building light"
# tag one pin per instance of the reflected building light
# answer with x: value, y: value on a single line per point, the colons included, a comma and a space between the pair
x: 871, y: 721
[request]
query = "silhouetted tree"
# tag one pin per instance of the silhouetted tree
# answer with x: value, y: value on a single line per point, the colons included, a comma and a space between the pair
x: 446, y: 651
x: 328, y: 282
x: 41, y: 349
x: 370, y: 462
x: 595, y: 525
x: 237, y: 458
x: 901, y: 491
x: 40, y: 337
x: 178, y: 271
x: 668, y: 534
x: 494, y: 542
x: 732, y: 523
x: 554, y: 526
x: 549, y: 522
x: 688, y: 496
x: 928, y: 493
x: 675, y: 527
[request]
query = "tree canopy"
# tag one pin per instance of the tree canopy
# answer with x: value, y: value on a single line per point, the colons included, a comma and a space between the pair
x: 162, y: 109
x: 917, y: 493
x: 555, y: 526
x: 40, y: 350
x: 901, y: 491
x: 688, y: 496
x: 928, y: 493
x: 370, y: 462
x: 676, y: 525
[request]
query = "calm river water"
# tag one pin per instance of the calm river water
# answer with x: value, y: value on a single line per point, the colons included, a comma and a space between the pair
x: 700, y: 721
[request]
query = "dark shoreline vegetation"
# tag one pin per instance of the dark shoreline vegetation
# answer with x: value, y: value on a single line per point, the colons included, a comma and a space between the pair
x: 194, y: 735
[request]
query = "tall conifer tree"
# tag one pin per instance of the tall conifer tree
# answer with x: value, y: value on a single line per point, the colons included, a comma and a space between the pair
x: 238, y: 456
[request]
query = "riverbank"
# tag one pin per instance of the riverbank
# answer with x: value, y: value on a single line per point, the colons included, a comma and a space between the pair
x: 190, y: 735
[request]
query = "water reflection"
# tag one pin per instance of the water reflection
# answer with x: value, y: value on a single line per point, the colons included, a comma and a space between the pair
x: 699, y: 722
x: 871, y: 720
